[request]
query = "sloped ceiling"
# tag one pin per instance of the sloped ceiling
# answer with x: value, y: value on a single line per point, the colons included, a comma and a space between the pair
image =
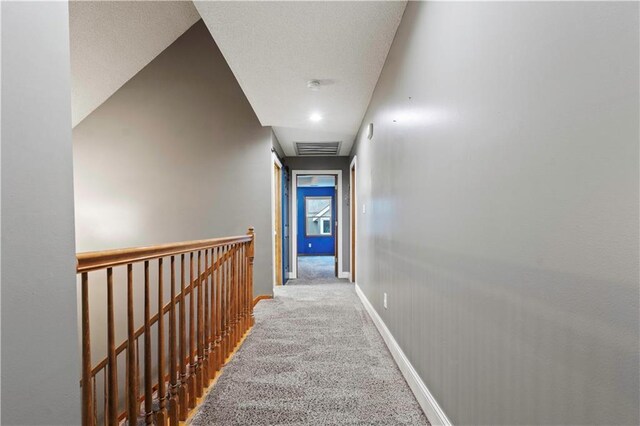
x: 111, y: 41
x: 274, y: 48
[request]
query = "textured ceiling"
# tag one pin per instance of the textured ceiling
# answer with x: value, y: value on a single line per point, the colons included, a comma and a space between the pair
x: 274, y: 48
x: 112, y: 40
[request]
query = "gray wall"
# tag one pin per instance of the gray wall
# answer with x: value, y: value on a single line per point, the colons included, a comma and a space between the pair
x: 176, y: 154
x: 40, y: 362
x: 502, y: 208
x: 329, y: 163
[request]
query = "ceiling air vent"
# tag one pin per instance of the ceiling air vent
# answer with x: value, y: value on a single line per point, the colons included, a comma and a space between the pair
x: 309, y: 149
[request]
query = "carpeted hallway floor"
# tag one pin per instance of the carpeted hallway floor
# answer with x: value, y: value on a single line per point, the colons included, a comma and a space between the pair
x: 315, y: 270
x: 313, y: 358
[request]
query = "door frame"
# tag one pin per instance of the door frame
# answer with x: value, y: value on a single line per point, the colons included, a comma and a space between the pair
x: 276, y: 206
x: 294, y: 218
x: 353, y: 218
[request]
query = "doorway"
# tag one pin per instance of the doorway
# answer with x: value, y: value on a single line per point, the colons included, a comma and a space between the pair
x: 316, y: 226
x: 276, y: 201
x: 316, y: 197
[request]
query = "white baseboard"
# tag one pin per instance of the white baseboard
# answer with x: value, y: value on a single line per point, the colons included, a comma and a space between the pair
x: 429, y: 405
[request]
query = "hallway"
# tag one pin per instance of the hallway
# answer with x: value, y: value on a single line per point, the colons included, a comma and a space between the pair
x: 313, y: 357
x: 320, y: 213
x: 315, y: 270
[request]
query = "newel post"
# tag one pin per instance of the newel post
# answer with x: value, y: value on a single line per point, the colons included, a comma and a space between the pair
x: 250, y: 255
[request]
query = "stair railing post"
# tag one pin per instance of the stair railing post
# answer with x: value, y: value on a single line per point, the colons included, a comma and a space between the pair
x: 250, y: 255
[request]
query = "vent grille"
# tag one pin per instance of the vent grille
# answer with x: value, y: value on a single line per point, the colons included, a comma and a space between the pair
x: 310, y: 149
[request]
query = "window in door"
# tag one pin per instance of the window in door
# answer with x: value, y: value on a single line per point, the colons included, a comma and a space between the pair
x: 318, y: 214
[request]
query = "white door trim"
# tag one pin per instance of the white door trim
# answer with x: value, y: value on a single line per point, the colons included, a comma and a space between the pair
x: 277, y: 162
x: 353, y: 210
x: 294, y: 216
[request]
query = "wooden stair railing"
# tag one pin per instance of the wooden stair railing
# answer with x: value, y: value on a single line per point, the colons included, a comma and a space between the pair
x: 208, y: 315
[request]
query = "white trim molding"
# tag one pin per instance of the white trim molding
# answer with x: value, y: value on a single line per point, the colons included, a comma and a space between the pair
x: 294, y: 217
x: 274, y: 161
x: 353, y: 224
x: 430, y: 406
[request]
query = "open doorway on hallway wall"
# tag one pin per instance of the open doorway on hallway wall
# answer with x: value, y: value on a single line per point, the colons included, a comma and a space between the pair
x: 316, y: 228
x: 278, y: 207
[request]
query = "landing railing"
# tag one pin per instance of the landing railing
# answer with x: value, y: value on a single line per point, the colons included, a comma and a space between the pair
x: 209, y: 310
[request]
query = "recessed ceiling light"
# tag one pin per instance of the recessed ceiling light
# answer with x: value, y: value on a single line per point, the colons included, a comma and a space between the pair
x: 315, y: 117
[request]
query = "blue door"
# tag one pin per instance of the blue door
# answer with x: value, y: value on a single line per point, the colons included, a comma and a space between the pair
x: 316, y: 219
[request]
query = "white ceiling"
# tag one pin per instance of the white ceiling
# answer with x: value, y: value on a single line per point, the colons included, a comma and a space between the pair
x: 111, y: 41
x: 274, y: 48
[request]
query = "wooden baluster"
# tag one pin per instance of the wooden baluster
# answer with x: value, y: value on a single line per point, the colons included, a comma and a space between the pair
x: 205, y: 359
x: 148, y: 384
x: 250, y: 254
x: 232, y: 293
x: 113, y: 360
x: 212, y: 319
x: 105, y: 396
x: 182, y: 392
x: 132, y: 376
x: 218, y: 316
x: 87, y: 399
x: 232, y: 300
x: 241, y: 329
x: 214, y: 312
x: 246, y: 284
x: 230, y: 303
x: 138, y: 369
x: 199, y: 348
x: 235, y: 296
x: 221, y: 305
x: 161, y: 415
x: 192, y: 336
x: 240, y: 294
x: 94, y: 400
x: 227, y: 305
x: 241, y: 289
x: 239, y: 333
x: 173, y: 380
x: 126, y: 387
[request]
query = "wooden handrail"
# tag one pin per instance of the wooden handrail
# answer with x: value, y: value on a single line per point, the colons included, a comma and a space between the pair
x: 94, y: 260
x: 220, y: 301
